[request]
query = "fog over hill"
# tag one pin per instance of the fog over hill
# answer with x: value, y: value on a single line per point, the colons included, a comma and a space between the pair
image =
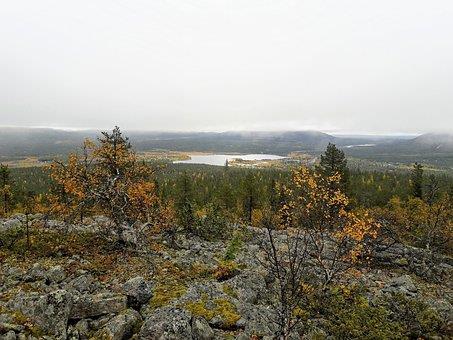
x: 434, y: 141
x: 47, y: 142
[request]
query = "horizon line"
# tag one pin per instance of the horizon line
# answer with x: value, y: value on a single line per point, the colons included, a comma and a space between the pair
x: 340, y: 133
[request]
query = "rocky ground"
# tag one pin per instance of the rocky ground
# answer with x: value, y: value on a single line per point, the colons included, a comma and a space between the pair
x: 74, y: 285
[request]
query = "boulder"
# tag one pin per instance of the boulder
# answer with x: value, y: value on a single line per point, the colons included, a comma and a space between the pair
x: 50, y: 312
x: 79, y: 331
x: 14, y: 273
x: 10, y: 224
x: 201, y: 329
x: 86, y: 306
x: 138, y: 292
x: 9, y: 336
x: 83, y: 284
x: 247, y: 286
x: 36, y: 273
x: 168, y: 323
x: 120, y: 327
x: 401, y: 284
x: 56, y: 274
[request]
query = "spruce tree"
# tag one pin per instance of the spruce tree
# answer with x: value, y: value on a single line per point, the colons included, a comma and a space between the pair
x: 5, y: 187
x: 184, y: 204
x: 417, y: 180
x: 334, y: 161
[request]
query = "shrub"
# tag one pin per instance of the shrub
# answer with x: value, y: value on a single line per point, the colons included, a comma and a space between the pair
x: 351, y: 316
x: 212, y: 225
x: 234, y: 247
x: 225, y: 270
x: 416, y: 317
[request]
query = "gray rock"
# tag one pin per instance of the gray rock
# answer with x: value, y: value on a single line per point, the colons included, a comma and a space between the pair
x: 99, y: 322
x: 401, y: 284
x: 9, y: 336
x: 120, y: 327
x: 83, y: 284
x: 56, y: 274
x: 256, y: 319
x: 247, y: 286
x: 6, y: 318
x: 36, y: 273
x: 14, y: 273
x: 50, y: 311
x: 138, y: 292
x: 86, y: 306
x: 243, y: 336
x: 82, y: 328
x: 201, y: 329
x: 167, y: 323
x: 10, y: 326
x: 10, y: 224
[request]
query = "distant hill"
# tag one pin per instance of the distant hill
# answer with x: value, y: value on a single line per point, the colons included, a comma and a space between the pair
x: 428, y: 148
x: 438, y: 142
x: 20, y: 142
x: 431, y: 148
x: 42, y: 141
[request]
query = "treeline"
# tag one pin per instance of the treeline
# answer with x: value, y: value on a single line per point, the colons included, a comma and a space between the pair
x: 214, y: 183
x: 223, y: 194
x: 318, y: 224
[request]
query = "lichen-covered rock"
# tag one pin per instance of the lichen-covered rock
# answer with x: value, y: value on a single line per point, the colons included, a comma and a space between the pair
x: 246, y: 286
x: 167, y: 323
x: 256, y: 319
x: 86, y: 306
x: 10, y: 224
x: 401, y: 284
x: 11, y: 335
x: 138, y: 292
x: 83, y: 284
x: 36, y: 273
x: 79, y: 331
x: 50, y: 312
x: 201, y: 329
x: 120, y: 327
x: 56, y: 274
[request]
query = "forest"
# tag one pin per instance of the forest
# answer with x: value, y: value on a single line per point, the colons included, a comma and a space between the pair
x: 317, y: 231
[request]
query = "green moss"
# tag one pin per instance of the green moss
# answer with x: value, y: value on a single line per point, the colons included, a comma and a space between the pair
x: 20, y: 319
x: 348, y: 315
x: 228, y: 290
x: 227, y: 311
x: 220, y: 307
x: 166, y: 293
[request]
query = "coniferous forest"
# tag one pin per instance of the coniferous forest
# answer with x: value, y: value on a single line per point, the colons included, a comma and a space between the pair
x: 111, y: 246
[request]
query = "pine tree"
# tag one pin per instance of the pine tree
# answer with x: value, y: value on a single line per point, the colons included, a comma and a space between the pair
x: 333, y: 161
x: 108, y: 178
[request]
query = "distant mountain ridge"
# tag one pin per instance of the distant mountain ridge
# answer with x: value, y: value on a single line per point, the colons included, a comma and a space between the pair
x: 439, y: 142
x: 47, y: 142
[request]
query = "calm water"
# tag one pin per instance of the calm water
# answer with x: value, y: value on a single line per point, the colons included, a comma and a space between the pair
x: 221, y: 159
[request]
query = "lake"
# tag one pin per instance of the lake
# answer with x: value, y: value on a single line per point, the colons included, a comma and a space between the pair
x: 221, y: 159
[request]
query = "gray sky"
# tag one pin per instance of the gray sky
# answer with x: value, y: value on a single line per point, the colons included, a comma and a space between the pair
x: 349, y: 66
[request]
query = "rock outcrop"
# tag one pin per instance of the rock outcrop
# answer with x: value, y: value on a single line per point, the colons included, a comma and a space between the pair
x: 177, y: 296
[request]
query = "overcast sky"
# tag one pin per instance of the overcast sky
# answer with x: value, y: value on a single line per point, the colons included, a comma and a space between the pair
x: 337, y: 65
